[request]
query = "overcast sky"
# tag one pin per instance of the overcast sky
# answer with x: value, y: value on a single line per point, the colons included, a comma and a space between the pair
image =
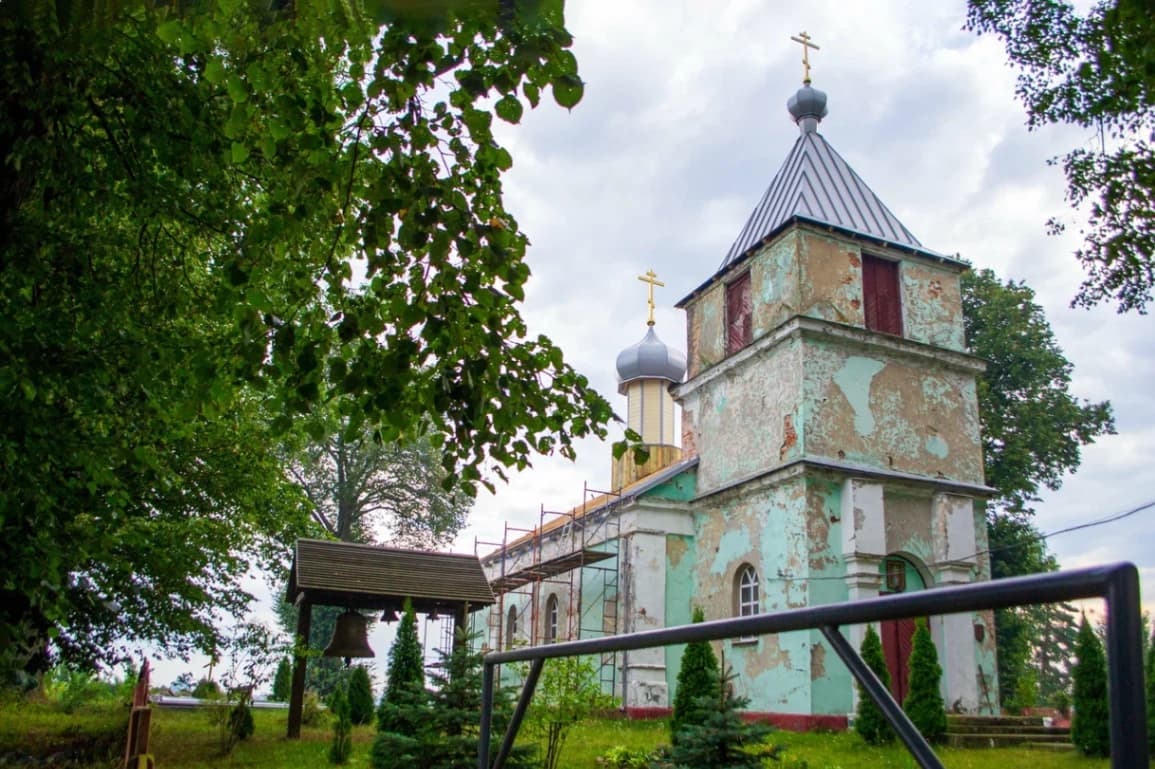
x: 683, y: 126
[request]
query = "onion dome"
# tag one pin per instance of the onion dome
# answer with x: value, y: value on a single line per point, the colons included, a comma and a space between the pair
x: 807, y: 106
x: 650, y: 359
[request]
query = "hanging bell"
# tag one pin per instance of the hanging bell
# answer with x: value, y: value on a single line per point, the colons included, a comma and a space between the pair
x: 350, y: 637
x: 390, y: 616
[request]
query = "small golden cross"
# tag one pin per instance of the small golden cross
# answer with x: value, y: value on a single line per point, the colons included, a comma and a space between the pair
x: 651, y: 277
x: 804, y: 39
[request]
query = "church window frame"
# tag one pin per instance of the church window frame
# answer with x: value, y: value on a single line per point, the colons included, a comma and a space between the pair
x: 739, y: 313
x: 882, y: 294
x: 551, y: 618
x: 747, y: 596
x: 511, y: 627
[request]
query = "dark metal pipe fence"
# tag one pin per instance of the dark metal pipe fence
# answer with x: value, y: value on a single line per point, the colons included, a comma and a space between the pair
x: 1117, y: 583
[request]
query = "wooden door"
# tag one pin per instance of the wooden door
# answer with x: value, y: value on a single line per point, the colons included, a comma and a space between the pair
x: 897, y: 641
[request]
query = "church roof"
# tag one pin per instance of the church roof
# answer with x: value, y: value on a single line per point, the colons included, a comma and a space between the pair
x: 815, y: 183
x: 650, y: 359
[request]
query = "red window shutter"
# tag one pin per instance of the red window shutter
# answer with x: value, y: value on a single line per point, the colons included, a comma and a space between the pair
x: 739, y: 314
x: 881, y: 295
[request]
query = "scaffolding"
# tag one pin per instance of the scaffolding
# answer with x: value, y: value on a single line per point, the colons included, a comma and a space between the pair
x: 583, y: 561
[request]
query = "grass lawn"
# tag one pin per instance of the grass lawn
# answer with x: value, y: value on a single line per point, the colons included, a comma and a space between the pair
x: 184, y: 739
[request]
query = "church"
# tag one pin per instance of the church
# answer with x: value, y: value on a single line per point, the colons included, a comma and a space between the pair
x: 828, y: 451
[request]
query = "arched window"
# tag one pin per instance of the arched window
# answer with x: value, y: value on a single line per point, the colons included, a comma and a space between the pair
x: 511, y: 627
x: 551, y: 619
x: 747, y: 591
x: 746, y: 595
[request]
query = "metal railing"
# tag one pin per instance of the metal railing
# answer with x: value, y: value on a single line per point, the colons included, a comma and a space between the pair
x: 1117, y: 583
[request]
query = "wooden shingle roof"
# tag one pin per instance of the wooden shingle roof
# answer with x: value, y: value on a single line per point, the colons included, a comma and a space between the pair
x: 371, y: 577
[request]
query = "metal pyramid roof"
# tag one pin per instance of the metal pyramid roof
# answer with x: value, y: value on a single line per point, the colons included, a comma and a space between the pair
x: 817, y: 184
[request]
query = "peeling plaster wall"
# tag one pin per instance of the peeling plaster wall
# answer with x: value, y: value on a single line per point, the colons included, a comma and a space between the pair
x: 765, y: 390
x: 768, y: 530
x: 681, y: 596
x: 806, y: 271
x: 898, y: 413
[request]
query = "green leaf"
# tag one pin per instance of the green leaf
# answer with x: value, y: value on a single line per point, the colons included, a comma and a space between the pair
x: 568, y: 90
x: 238, y: 91
x: 509, y: 108
x: 240, y: 152
x: 215, y: 71
x: 170, y: 31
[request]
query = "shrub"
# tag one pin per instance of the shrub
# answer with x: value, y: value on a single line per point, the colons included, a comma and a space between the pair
x: 241, y: 724
x: 621, y: 757
x: 1026, y: 692
x: 342, y: 745
x: 1090, y: 729
x: 206, y: 689
x: 697, y: 679
x: 869, y: 722
x: 360, y: 696
x: 568, y: 692
x: 312, y: 714
x: 924, y: 702
x: 282, y: 681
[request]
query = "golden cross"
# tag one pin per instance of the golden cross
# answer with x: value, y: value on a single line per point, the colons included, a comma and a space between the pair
x: 651, y: 277
x: 804, y: 39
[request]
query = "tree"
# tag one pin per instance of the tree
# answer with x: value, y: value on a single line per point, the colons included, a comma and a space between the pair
x: 721, y: 739
x: 697, y: 680
x: 360, y: 696
x: 1032, y: 432
x: 342, y: 745
x: 215, y: 222
x: 568, y: 692
x: 1094, y: 69
x: 1033, y: 428
x: 1090, y: 728
x: 356, y: 485
x: 405, y: 678
x: 869, y: 722
x: 443, y: 729
x: 924, y: 702
x: 282, y: 681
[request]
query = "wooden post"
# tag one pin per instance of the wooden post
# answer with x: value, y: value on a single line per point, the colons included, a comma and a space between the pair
x: 460, y: 631
x: 297, y: 695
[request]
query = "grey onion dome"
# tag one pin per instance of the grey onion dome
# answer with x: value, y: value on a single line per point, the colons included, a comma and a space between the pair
x: 650, y: 359
x: 807, y: 106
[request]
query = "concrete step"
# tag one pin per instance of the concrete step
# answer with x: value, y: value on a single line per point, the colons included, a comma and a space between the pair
x: 1060, y: 742
x: 1006, y: 729
x: 952, y: 719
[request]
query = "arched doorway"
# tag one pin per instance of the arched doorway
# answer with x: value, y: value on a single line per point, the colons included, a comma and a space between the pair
x: 899, y: 575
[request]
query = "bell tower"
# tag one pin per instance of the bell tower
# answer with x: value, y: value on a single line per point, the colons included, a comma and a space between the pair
x: 832, y: 405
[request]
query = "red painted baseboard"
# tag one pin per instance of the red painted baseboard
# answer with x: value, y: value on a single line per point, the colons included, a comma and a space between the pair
x: 792, y: 722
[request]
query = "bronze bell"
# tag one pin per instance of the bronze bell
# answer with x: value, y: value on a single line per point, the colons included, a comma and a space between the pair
x: 350, y: 637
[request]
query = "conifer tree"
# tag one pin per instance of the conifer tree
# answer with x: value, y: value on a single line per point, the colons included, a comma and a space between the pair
x: 720, y: 739
x: 444, y: 724
x: 282, y: 681
x: 1090, y: 729
x: 342, y: 745
x: 1150, y: 676
x: 924, y: 703
x: 360, y: 696
x: 869, y: 722
x: 405, y: 682
x: 697, y: 678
